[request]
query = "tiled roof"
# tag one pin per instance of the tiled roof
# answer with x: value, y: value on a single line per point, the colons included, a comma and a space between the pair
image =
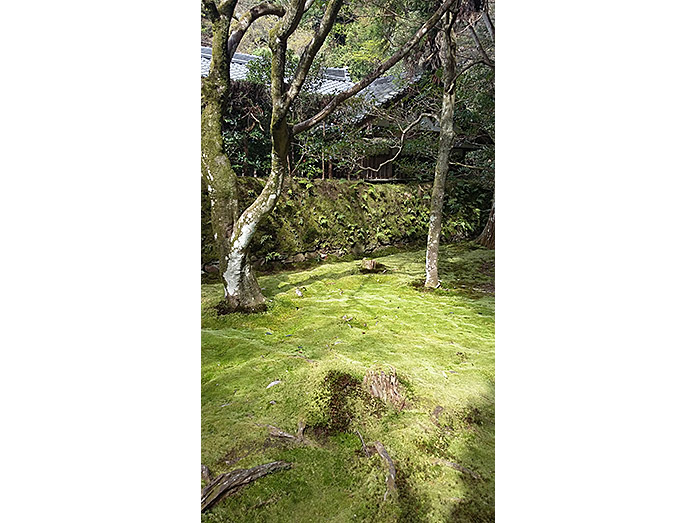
x: 334, y: 79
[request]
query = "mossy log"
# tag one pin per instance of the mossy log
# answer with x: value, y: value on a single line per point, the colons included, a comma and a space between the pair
x: 230, y: 482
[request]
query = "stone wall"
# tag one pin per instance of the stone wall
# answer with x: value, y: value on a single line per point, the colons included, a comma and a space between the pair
x: 315, y: 219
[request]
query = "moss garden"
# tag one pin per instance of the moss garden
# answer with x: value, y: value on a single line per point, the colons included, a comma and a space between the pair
x: 343, y: 365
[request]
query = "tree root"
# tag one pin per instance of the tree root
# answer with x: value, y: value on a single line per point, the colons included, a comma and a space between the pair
x: 391, y: 473
x: 230, y: 482
x: 299, y: 438
x: 458, y: 467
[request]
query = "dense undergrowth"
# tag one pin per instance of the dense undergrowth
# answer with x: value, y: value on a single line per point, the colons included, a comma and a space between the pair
x: 319, y: 345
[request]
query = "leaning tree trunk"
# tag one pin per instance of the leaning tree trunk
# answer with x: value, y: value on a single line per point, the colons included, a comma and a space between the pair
x: 242, y: 292
x: 232, y: 232
x: 486, y: 238
x: 445, y: 145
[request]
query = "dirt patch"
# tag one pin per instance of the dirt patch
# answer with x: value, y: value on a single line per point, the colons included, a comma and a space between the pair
x: 342, y: 399
x: 341, y: 386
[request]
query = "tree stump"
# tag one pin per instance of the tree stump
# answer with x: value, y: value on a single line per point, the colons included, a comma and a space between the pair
x: 368, y: 266
x: 385, y: 387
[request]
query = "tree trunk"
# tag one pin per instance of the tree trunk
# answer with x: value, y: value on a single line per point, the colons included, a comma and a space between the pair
x: 220, y: 177
x: 242, y: 292
x: 486, y: 238
x: 445, y: 145
x: 233, y: 234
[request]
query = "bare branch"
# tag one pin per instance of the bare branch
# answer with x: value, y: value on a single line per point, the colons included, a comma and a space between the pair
x: 462, y: 71
x: 290, y: 21
x: 489, y: 24
x: 401, y: 141
x: 480, y: 47
x: 468, y: 166
x: 378, y: 71
x: 279, y: 44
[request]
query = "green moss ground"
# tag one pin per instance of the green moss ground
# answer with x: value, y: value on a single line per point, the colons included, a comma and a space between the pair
x: 441, y: 344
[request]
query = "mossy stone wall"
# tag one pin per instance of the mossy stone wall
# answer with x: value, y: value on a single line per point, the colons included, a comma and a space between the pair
x: 317, y: 218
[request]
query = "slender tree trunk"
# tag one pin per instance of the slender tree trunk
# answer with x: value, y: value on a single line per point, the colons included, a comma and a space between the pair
x: 486, y: 238
x: 445, y: 145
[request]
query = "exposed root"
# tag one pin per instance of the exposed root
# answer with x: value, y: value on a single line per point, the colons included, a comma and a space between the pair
x: 391, y: 472
x: 230, y: 482
x: 300, y: 438
x: 367, y: 451
x: 458, y: 467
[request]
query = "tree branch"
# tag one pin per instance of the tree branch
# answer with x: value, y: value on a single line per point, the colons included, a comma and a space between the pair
x: 311, y: 50
x: 245, y: 21
x: 210, y: 9
x: 290, y: 21
x: 480, y: 47
x: 462, y: 71
x: 378, y: 71
x: 227, y: 7
x: 401, y: 142
x: 489, y: 24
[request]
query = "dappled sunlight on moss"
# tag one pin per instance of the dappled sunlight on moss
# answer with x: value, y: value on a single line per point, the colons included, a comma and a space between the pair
x: 343, y: 323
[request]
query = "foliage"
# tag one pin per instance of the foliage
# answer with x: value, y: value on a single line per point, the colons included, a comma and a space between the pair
x: 246, y: 129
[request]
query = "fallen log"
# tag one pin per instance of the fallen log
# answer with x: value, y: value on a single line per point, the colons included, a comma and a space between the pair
x: 391, y: 472
x: 230, y: 482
